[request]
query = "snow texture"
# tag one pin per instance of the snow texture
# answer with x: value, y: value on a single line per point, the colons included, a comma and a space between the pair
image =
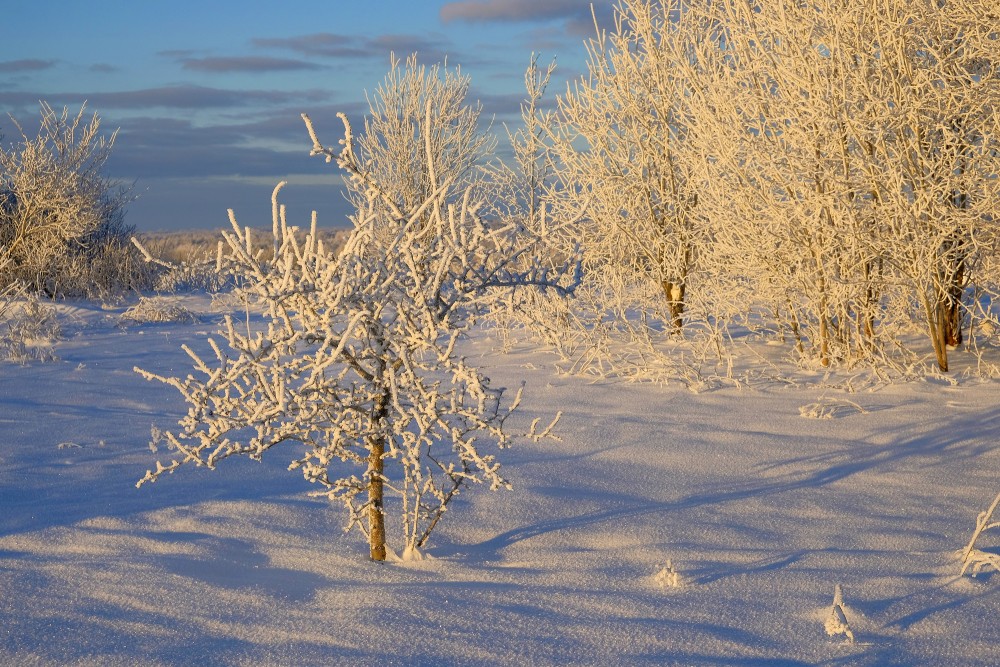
x: 762, y: 512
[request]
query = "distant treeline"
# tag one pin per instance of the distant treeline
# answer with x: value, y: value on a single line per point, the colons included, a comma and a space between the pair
x: 192, y: 246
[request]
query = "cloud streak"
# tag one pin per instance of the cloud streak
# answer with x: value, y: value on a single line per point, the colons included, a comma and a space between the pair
x: 434, y: 48
x: 168, y: 97
x: 577, y: 17
x: 512, y: 11
x: 244, y: 64
x: 324, y: 44
x: 25, y: 65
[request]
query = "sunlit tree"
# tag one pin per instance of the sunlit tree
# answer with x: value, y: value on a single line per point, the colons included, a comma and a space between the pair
x: 357, y: 368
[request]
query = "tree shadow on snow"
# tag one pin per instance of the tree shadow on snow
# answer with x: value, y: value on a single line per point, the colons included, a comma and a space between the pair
x: 808, y: 472
x: 235, y: 564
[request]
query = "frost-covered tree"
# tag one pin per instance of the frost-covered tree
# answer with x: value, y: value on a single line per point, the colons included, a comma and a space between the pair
x: 62, y: 223
x: 524, y: 178
x: 852, y: 149
x: 934, y: 153
x: 785, y: 189
x: 357, y: 369
x: 419, y: 132
x: 619, y: 138
x: 520, y: 186
x: 828, y: 170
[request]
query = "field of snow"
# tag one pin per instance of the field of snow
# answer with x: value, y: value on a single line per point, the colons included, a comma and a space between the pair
x: 761, y: 511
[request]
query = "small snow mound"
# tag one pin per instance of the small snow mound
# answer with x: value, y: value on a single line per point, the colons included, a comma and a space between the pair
x: 668, y: 577
x: 410, y: 555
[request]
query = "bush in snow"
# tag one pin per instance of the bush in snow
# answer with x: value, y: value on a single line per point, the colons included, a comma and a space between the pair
x: 202, y: 271
x: 28, y: 327
x: 62, y: 224
x: 357, y: 365
x: 156, y: 310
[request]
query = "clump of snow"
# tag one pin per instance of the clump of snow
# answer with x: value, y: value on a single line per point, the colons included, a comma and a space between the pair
x: 410, y: 554
x: 668, y: 577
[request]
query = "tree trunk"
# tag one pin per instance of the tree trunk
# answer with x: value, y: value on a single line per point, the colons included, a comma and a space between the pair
x: 793, y: 322
x: 952, y: 312
x: 824, y: 337
x: 675, y: 302
x: 376, y: 515
x: 957, y: 246
x: 866, y: 319
x: 376, y: 466
x: 823, y: 316
x: 936, y: 329
x: 950, y: 302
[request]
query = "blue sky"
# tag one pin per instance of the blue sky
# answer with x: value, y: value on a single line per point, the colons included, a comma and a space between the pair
x: 207, y: 95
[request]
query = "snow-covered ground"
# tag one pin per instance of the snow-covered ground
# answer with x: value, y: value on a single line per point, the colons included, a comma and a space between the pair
x: 761, y: 511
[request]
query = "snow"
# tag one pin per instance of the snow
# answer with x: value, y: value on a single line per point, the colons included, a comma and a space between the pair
x: 760, y: 511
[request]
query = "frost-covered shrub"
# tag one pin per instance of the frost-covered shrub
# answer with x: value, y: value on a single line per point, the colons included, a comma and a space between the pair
x: 106, y: 269
x: 61, y: 220
x: 187, y: 261
x: 28, y: 327
x: 157, y: 310
x: 200, y: 272
x: 194, y: 277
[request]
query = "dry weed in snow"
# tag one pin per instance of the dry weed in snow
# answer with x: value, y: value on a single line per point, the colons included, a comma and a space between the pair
x: 836, y: 622
x: 28, y: 330
x: 975, y: 559
x: 830, y: 409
